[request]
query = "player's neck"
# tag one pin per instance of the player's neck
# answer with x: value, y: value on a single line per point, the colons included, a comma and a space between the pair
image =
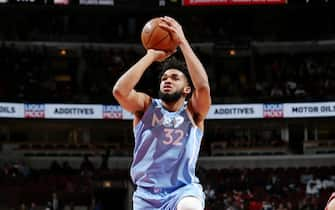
x: 173, y: 106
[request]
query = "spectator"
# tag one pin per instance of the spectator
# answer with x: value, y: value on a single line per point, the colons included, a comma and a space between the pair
x: 267, y: 205
x: 67, y: 169
x: 281, y: 206
x: 23, y: 207
x: 33, y: 206
x: 24, y: 169
x: 86, y: 167
x: 104, y: 159
x: 313, y: 187
x: 328, y: 183
x: 55, y: 168
x: 299, y: 91
x: 276, y: 91
x: 209, y: 192
x: 56, y: 203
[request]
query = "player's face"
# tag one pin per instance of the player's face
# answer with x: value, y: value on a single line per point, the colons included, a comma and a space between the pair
x: 172, y: 85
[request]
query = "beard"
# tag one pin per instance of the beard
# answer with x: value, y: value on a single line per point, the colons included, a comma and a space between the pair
x: 169, y: 98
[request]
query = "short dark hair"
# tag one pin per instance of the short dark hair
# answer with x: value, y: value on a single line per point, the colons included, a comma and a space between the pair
x: 174, y: 63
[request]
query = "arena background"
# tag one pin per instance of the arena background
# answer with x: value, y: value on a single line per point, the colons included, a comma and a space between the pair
x: 270, y: 134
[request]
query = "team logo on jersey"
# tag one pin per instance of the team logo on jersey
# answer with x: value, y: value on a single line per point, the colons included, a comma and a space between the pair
x: 172, y: 121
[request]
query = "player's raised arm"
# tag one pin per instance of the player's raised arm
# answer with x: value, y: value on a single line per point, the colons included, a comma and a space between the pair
x: 124, y: 91
x: 201, y: 99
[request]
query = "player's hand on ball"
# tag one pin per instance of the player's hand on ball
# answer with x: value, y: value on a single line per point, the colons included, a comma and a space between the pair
x: 176, y: 30
x: 160, y: 55
x: 153, y: 36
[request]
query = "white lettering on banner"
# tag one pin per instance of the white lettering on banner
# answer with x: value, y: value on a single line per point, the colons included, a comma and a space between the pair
x: 74, y: 111
x: 207, y: 1
x: 215, y: 2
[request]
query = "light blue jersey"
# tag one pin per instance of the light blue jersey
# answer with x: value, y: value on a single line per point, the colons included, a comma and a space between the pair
x: 166, y: 149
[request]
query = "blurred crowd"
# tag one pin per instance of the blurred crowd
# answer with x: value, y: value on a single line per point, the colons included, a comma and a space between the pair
x: 62, y: 186
x: 86, y: 74
x: 42, y: 74
x: 310, y: 77
x: 121, y: 24
x: 268, y: 189
x: 98, y: 51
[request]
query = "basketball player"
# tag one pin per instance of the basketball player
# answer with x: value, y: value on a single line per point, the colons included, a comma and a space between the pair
x: 167, y: 130
x: 331, y: 203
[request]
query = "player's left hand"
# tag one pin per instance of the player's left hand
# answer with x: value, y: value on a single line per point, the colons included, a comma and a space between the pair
x: 176, y: 30
x: 160, y: 55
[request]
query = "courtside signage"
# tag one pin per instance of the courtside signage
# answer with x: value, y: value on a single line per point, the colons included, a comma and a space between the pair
x: 34, y: 110
x: 216, y: 111
x: 112, y: 112
x: 230, y: 2
x: 11, y: 110
x: 73, y: 111
x: 316, y: 109
x: 235, y: 111
x: 273, y: 110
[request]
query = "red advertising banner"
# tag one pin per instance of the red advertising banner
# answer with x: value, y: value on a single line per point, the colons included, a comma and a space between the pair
x: 230, y: 2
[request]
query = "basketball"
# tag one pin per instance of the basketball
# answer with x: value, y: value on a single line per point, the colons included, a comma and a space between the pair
x: 155, y: 37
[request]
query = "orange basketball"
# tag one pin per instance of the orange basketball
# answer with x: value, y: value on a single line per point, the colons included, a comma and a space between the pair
x: 155, y: 37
